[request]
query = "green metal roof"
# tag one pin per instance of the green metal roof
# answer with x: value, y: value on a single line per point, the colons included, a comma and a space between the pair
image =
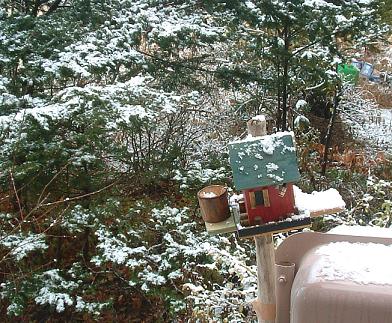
x: 264, y: 161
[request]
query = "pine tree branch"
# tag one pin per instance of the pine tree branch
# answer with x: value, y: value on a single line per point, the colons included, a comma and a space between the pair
x: 174, y: 64
x: 79, y: 197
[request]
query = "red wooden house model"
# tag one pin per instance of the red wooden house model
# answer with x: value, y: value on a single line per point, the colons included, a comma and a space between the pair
x: 264, y: 168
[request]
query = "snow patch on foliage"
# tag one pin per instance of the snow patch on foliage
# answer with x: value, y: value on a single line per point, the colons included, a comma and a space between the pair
x: 90, y: 307
x: 77, y: 219
x: 20, y: 245
x: 114, y: 249
x: 59, y: 300
x: 196, y: 173
x: 52, y: 294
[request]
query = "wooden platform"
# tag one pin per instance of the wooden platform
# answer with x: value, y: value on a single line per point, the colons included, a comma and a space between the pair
x: 232, y: 225
x: 226, y: 226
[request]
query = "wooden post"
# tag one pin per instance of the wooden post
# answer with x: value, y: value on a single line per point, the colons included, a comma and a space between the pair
x: 265, y: 304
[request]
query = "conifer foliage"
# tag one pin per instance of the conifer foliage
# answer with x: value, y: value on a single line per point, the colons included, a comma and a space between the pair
x: 112, y: 114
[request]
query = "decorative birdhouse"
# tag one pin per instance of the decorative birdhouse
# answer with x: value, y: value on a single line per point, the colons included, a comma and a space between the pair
x: 264, y: 168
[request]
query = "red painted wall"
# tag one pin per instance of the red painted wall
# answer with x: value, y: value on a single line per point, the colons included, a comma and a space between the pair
x: 281, y: 207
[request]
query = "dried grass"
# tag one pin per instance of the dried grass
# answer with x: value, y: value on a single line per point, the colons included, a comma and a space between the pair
x: 379, y: 93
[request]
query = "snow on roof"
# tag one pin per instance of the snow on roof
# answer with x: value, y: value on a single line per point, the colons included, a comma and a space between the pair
x: 363, y: 231
x: 361, y: 263
x: 318, y: 203
x: 272, y: 139
x: 263, y: 161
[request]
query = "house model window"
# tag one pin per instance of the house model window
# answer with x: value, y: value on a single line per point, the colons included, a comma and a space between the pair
x: 259, y: 198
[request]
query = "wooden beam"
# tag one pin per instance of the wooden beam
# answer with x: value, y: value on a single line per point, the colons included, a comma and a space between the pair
x: 274, y: 227
x: 317, y: 213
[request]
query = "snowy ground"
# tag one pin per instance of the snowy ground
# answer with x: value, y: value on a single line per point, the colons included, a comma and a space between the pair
x: 371, y: 125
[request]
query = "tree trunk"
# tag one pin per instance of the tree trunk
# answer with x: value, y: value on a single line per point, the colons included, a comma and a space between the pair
x: 285, y: 79
x: 328, y: 136
x: 284, y: 96
x: 279, y: 112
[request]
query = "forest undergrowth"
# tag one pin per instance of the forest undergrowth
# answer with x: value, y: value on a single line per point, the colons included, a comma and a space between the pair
x: 113, y: 114
x: 144, y: 254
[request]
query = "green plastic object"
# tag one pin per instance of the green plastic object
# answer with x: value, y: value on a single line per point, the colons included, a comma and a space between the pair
x: 264, y: 161
x: 349, y: 73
